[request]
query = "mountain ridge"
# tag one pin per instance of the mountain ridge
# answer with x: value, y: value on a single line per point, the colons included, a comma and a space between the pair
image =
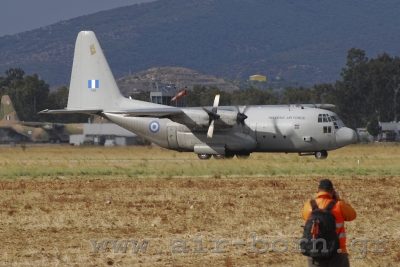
x: 232, y: 39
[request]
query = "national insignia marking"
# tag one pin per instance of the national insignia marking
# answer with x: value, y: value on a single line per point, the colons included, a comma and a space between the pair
x: 154, y: 126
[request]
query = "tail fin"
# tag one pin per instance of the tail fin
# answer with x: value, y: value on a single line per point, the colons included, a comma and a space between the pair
x: 8, y: 115
x: 92, y: 83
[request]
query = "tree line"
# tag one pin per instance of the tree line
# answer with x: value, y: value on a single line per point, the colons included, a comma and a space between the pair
x: 367, y: 93
x: 30, y: 94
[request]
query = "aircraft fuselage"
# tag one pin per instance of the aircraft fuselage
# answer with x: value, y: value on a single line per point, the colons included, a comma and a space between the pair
x: 267, y: 129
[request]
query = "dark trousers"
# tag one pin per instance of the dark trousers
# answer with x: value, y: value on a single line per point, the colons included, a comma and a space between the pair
x: 339, y: 260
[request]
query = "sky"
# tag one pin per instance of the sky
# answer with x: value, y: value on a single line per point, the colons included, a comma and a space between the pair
x: 24, y: 15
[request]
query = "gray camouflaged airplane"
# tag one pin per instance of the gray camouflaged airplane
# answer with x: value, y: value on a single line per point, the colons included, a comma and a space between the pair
x: 222, y: 132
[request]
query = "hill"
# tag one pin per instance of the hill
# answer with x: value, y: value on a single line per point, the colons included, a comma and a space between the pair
x: 304, y: 41
x: 158, y: 78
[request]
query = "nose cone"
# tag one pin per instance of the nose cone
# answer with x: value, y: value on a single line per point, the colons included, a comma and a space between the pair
x: 345, y: 136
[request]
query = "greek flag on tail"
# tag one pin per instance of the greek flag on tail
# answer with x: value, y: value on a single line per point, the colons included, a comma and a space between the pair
x: 93, y: 83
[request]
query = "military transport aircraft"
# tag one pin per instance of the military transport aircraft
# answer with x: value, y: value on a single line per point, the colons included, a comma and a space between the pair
x: 12, y: 129
x: 222, y: 132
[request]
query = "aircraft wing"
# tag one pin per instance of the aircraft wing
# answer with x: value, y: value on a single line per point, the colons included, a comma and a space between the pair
x: 318, y: 105
x: 39, y: 124
x: 148, y: 112
x: 70, y: 111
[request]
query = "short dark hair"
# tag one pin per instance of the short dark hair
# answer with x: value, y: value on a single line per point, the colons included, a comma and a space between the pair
x: 325, y: 184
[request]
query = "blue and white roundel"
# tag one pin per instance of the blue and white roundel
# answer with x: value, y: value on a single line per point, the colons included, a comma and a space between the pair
x: 154, y: 126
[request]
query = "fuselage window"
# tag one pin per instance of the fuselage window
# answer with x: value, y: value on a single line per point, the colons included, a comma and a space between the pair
x: 319, y: 117
x: 325, y: 119
x: 327, y: 129
x: 333, y: 118
x: 296, y: 126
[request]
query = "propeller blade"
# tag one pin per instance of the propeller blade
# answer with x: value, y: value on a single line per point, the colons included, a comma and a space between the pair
x: 216, y: 103
x: 210, y: 130
x: 240, y: 118
x: 206, y: 110
x: 244, y: 109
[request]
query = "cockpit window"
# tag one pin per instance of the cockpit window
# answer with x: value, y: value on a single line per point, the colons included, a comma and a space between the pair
x: 329, y: 118
x: 334, y: 118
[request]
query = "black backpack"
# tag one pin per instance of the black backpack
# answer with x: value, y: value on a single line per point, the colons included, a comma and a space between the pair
x: 320, y: 240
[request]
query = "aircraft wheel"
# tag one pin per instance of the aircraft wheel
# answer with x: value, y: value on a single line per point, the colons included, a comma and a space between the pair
x: 51, y: 141
x: 219, y: 156
x: 204, y: 156
x: 243, y: 155
x: 323, y: 154
x: 58, y: 141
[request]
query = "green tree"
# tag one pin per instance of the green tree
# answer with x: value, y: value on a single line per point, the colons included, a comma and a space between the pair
x: 322, y: 94
x: 352, y: 95
x: 253, y: 96
x: 203, y: 96
x: 142, y: 96
x: 369, y: 87
x: 299, y: 95
x: 29, y: 96
x: 14, y: 77
x: 58, y: 99
x: 373, y: 126
x: 385, y: 78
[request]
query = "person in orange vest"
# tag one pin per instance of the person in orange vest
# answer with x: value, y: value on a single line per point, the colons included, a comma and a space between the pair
x: 342, y: 211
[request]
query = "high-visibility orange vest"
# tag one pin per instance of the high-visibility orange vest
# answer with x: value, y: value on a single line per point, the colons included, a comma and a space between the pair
x: 322, y: 203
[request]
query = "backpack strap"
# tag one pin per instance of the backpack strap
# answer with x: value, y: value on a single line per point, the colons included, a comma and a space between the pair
x: 330, y: 205
x: 313, y: 204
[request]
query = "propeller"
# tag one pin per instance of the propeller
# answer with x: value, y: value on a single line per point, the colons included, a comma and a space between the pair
x: 212, y: 116
x: 241, y: 116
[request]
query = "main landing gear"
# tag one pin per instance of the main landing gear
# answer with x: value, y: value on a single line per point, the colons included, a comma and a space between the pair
x: 226, y: 156
x: 204, y: 156
x: 322, y: 154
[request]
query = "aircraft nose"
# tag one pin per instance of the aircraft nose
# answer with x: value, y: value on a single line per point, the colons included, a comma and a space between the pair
x: 345, y: 136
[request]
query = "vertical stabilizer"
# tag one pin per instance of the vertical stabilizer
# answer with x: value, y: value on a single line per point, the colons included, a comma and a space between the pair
x: 8, y: 115
x: 92, y: 83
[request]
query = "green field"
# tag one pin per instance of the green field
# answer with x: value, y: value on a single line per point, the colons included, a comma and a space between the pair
x: 155, y: 162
